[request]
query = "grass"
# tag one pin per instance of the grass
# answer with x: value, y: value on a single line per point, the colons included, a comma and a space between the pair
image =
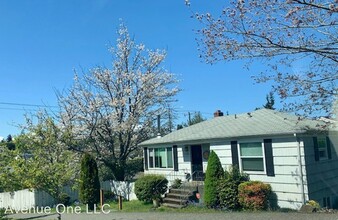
x: 132, y: 206
x: 138, y: 206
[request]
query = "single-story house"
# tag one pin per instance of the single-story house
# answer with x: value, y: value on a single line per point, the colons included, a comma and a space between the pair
x: 296, y: 156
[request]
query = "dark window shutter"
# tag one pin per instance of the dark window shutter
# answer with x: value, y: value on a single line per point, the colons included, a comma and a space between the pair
x: 234, y: 154
x: 328, y: 143
x: 315, y: 147
x: 145, y: 152
x: 270, y: 168
x: 175, y: 158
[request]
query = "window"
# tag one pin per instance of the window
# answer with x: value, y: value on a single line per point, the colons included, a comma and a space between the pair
x: 326, y: 202
x: 151, y: 158
x: 161, y: 157
x: 252, y: 156
x: 170, y: 157
x: 322, y: 148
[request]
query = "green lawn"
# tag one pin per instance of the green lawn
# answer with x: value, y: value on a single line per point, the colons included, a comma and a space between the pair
x: 138, y: 206
x: 132, y: 206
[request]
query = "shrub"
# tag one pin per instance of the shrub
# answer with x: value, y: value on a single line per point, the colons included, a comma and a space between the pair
x: 228, y: 188
x: 176, y: 184
x: 133, y: 166
x: 89, y: 181
x: 213, y: 174
x: 228, y: 194
x: 314, y: 204
x: 254, y: 195
x: 2, y: 213
x: 64, y: 199
x: 150, y: 187
x: 108, y: 196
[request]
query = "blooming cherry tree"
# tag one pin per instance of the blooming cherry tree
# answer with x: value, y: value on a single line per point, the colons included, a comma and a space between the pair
x: 285, y: 34
x: 109, y: 111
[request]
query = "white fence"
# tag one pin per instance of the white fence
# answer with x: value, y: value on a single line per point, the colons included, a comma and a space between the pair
x: 26, y: 199
x: 124, y: 189
x: 18, y: 200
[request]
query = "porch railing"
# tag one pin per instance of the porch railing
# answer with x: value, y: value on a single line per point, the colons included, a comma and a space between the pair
x: 188, y: 187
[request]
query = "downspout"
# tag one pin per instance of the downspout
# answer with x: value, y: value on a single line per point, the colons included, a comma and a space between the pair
x: 300, y: 168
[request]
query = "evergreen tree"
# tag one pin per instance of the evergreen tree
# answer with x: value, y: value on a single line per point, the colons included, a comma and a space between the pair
x: 196, y: 118
x: 270, y: 101
x: 180, y: 126
x: 9, y: 138
x: 89, y: 181
x: 9, y: 143
x: 213, y: 174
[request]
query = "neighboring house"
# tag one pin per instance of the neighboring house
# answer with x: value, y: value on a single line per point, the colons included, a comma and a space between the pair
x: 298, y: 157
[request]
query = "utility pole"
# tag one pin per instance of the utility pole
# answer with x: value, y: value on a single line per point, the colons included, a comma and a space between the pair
x: 170, y: 122
x: 189, y: 118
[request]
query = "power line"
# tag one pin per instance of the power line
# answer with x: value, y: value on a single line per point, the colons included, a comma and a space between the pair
x: 195, y: 111
x: 29, y: 105
x: 18, y: 109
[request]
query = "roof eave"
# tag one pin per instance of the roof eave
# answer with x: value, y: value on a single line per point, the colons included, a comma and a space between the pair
x: 218, y: 139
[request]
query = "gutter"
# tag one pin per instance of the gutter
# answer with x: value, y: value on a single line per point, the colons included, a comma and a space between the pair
x: 300, y: 168
x: 158, y: 141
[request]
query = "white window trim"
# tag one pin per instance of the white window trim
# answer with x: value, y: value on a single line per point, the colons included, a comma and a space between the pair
x: 166, y: 151
x: 240, y: 157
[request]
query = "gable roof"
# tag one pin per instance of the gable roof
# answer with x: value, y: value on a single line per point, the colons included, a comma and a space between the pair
x: 260, y: 122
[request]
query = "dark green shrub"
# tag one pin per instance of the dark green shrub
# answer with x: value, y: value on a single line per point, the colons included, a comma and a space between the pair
x: 213, y: 174
x: 125, y: 171
x: 228, y: 194
x: 254, y: 195
x: 89, y: 181
x: 64, y: 199
x: 133, y: 166
x: 150, y: 187
x: 228, y: 188
x: 108, y: 196
x: 176, y: 184
x: 2, y: 213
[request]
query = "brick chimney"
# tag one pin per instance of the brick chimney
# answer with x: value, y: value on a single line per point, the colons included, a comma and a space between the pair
x: 218, y: 113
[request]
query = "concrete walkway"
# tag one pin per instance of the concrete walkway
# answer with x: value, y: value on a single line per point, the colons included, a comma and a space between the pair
x: 181, y: 216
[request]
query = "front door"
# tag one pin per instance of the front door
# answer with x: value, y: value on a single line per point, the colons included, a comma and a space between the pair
x: 196, y: 162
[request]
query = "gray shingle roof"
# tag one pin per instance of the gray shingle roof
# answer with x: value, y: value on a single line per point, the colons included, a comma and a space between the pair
x: 260, y: 122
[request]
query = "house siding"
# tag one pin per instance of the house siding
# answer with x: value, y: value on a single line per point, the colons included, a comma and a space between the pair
x: 323, y: 174
x: 286, y: 184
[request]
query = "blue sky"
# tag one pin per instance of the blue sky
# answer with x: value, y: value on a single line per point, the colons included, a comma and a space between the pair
x: 43, y: 41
